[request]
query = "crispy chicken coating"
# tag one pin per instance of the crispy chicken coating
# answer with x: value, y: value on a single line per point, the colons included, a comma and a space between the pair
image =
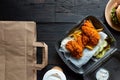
x: 91, y: 32
x: 85, y: 39
x: 76, y: 47
x: 88, y: 23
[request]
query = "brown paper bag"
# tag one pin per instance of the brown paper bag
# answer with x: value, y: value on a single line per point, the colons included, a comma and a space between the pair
x: 18, y: 51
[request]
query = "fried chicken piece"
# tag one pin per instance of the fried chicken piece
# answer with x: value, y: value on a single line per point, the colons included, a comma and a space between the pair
x: 88, y: 23
x: 91, y: 32
x: 76, y: 47
x: 85, y: 39
x: 79, y: 40
x: 89, y: 37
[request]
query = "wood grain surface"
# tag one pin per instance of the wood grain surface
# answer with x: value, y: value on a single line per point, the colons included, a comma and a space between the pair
x: 54, y: 18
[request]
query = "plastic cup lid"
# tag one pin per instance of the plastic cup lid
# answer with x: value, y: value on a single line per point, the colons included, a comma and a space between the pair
x: 54, y: 74
x: 102, y: 74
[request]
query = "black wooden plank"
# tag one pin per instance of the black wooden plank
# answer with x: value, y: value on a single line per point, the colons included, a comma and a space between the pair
x: 40, y: 1
x: 51, y: 10
x: 50, y: 34
x: 16, y: 10
x: 79, y: 9
x: 67, y: 17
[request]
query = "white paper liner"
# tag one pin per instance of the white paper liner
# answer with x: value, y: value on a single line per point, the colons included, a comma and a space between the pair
x: 87, y: 54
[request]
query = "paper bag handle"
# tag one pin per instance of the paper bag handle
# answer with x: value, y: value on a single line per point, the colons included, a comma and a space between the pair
x: 44, y: 55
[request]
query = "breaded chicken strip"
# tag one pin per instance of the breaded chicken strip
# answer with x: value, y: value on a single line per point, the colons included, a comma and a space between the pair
x: 85, y: 39
x: 76, y: 47
x: 88, y: 23
x: 89, y: 30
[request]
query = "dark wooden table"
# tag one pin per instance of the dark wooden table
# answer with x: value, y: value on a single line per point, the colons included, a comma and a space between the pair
x: 54, y: 18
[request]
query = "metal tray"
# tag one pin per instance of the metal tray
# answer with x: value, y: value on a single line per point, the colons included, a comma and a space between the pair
x: 91, y: 64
